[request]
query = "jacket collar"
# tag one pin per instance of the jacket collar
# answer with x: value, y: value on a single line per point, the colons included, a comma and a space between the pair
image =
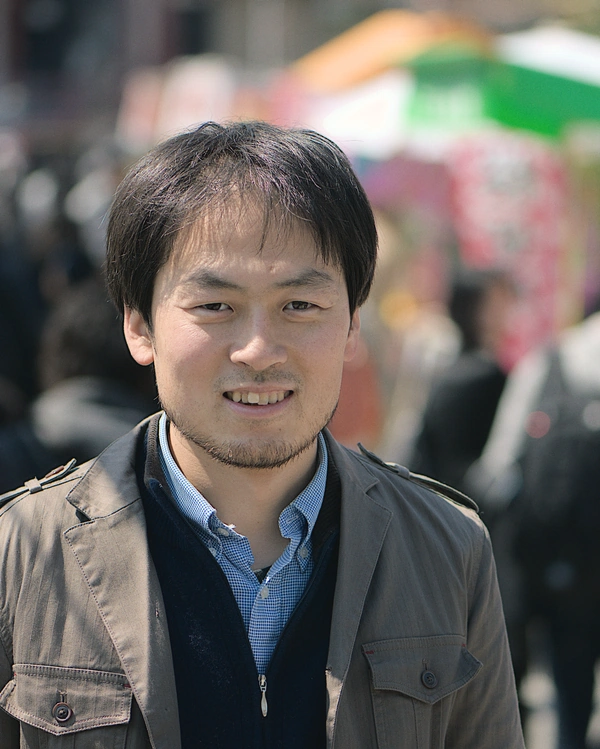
x: 109, y: 483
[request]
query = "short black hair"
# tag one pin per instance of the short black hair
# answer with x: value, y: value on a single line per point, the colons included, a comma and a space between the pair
x: 295, y: 175
x: 469, y: 289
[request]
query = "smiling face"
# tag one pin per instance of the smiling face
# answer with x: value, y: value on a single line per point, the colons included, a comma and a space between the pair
x: 248, y: 340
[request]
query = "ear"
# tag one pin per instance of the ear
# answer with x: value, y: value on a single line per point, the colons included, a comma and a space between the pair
x: 353, y: 333
x: 138, y: 337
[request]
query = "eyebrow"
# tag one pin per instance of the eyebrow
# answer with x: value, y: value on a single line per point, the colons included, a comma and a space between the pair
x: 207, y: 280
x: 310, y: 277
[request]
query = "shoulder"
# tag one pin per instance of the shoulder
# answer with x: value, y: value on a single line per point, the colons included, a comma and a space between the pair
x: 33, y: 518
x: 472, y: 366
x: 580, y: 354
x: 71, y: 493
x: 403, y: 478
x: 420, y: 519
x: 406, y: 498
x: 62, y: 476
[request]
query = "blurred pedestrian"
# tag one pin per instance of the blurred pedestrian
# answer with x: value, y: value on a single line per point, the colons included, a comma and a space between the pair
x: 540, y: 471
x: 91, y: 390
x: 461, y: 405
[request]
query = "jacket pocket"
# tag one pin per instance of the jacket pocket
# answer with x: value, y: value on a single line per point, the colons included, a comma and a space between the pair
x: 62, y: 701
x: 414, y: 682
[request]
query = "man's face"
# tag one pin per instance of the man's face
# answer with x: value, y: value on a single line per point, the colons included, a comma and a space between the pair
x: 248, y: 344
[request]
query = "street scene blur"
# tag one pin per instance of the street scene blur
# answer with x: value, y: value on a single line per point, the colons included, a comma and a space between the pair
x: 474, y: 127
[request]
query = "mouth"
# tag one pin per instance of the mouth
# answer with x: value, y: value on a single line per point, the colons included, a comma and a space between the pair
x: 257, y: 399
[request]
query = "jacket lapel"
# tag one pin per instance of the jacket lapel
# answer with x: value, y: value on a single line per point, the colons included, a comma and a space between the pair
x: 112, y: 551
x: 364, y: 524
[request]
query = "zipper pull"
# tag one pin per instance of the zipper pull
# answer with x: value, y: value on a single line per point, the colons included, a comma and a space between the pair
x: 262, y: 683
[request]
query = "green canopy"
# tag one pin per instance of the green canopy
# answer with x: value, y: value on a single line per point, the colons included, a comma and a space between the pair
x: 458, y: 90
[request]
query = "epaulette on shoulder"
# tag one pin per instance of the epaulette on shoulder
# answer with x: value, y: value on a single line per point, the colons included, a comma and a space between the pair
x: 437, y: 486
x: 35, y: 485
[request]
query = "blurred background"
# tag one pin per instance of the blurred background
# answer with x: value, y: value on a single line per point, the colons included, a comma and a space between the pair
x: 474, y: 126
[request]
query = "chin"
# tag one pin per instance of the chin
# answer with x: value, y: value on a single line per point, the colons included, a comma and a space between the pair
x: 252, y: 452
x: 256, y: 454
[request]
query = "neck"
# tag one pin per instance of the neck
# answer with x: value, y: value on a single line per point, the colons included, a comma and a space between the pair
x: 247, y: 498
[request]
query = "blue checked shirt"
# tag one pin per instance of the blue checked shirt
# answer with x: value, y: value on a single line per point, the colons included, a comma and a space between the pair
x: 265, y: 606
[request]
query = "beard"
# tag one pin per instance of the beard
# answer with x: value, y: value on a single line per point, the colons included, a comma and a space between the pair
x: 254, y: 454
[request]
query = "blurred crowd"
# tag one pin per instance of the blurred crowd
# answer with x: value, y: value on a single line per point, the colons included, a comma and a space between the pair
x: 67, y: 384
x: 523, y: 444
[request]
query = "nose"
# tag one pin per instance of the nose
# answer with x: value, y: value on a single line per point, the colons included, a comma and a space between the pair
x: 257, y: 346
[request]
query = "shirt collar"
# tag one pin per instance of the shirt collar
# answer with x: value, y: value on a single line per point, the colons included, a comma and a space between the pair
x: 196, y: 508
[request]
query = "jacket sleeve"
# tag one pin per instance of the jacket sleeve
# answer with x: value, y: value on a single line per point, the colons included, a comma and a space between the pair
x: 486, y: 712
x: 9, y: 728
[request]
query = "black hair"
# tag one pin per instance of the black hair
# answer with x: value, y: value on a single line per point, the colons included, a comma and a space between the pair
x: 468, y: 292
x: 294, y: 175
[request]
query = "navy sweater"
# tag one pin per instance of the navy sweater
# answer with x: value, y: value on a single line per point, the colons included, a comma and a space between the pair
x: 217, y: 683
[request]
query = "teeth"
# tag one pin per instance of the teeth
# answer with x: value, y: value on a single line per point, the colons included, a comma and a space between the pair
x: 258, y: 399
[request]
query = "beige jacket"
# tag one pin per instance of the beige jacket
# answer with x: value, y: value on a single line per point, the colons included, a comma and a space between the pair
x: 418, y: 656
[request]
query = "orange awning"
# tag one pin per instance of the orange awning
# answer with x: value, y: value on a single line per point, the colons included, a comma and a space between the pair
x: 384, y: 40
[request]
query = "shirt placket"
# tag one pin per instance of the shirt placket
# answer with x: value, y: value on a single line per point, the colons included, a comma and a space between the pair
x: 265, y: 620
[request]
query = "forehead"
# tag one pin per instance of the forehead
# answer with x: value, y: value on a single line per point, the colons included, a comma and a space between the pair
x: 243, y: 232
x: 237, y: 249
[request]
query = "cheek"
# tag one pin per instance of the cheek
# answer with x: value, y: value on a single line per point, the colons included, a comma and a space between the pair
x: 180, y: 354
x: 180, y: 340
x: 324, y: 359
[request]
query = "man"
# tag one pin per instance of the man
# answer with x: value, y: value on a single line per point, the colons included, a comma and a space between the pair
x: 227, y: 575
x: 460, y: 407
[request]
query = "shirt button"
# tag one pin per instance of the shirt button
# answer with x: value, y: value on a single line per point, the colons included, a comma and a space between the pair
x: 212, y: 550
x: 429, y: 679
x: 264, y: 592
x: 303, y: 553
x: 223, y: 531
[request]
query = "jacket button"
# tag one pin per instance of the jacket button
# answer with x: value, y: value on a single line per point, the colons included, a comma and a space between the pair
x: 429, y: 679
x: 61, y: 712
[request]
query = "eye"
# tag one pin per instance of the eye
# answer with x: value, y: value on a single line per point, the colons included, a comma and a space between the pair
x: 214, y: 307
x: 299, y: 306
